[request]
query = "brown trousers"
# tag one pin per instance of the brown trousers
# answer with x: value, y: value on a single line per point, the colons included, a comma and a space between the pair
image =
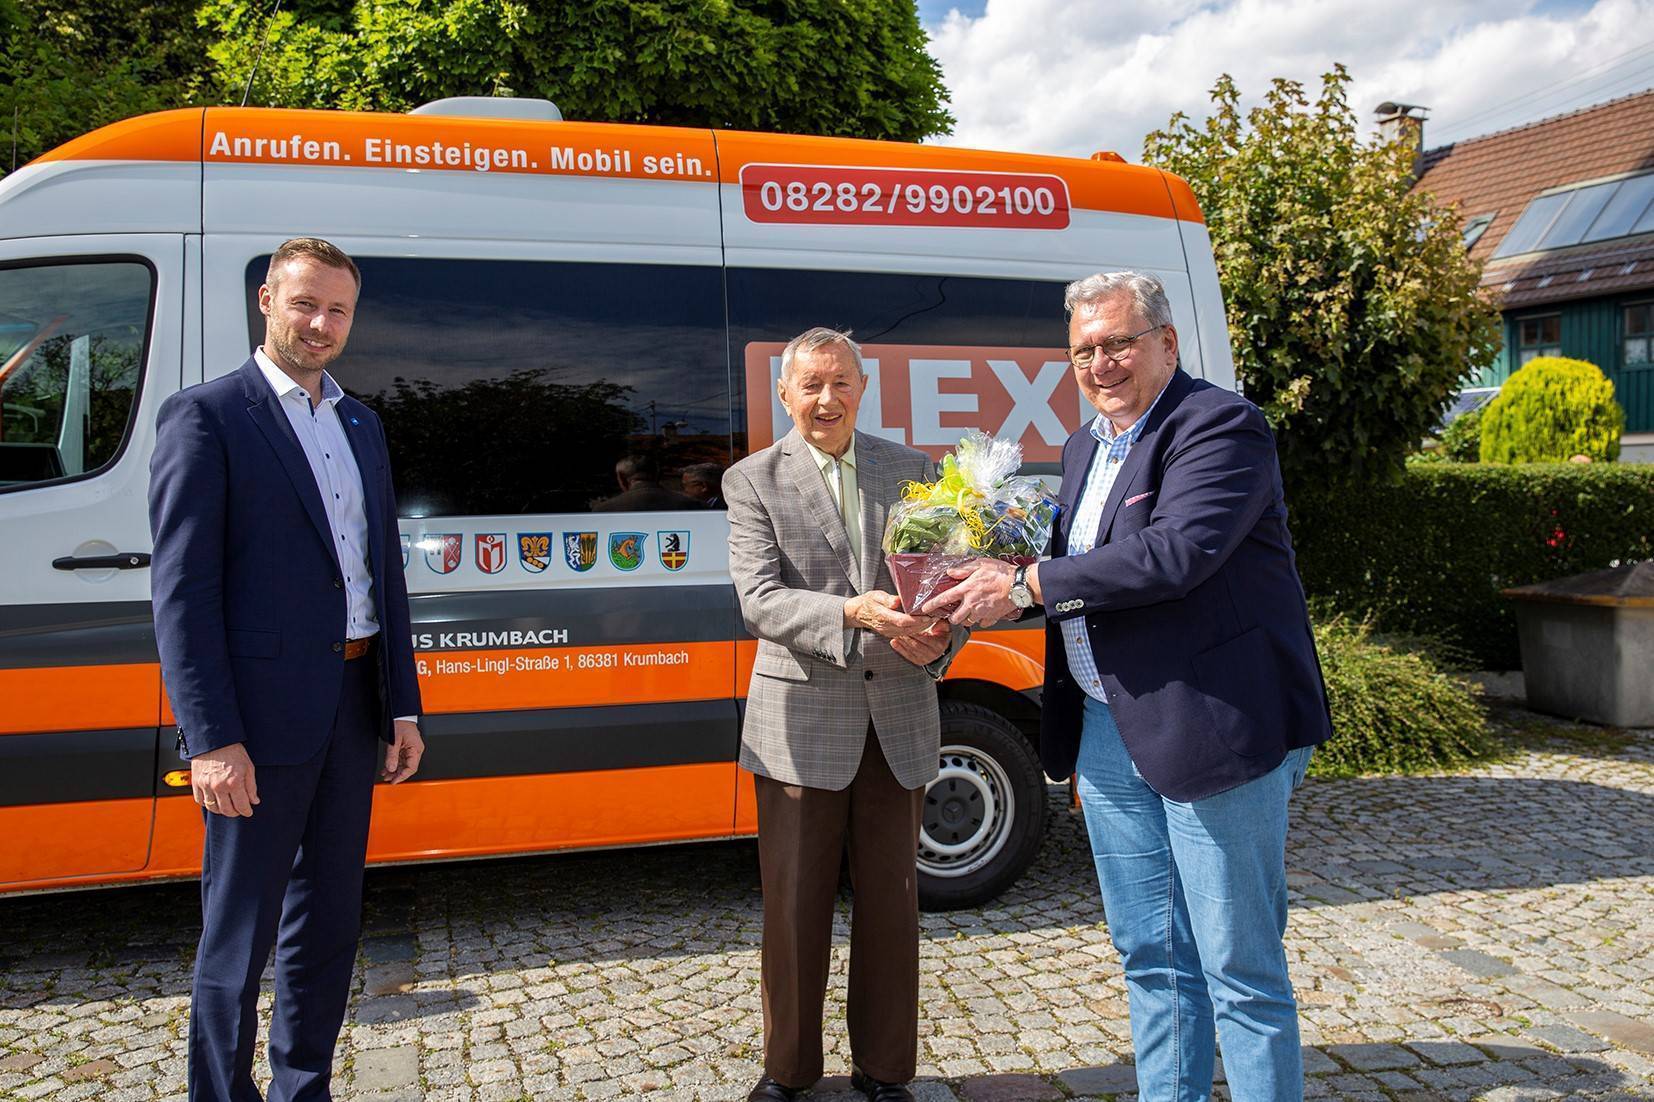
x: 802, y: 833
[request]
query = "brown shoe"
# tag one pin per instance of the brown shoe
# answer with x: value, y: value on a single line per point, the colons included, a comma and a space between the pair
x: 877, y: 1091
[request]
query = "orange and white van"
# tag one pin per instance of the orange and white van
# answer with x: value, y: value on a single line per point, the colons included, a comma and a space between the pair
x: 568, y: 329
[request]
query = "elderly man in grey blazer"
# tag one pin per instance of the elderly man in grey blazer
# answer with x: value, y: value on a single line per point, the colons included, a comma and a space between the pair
x: 842, y: 729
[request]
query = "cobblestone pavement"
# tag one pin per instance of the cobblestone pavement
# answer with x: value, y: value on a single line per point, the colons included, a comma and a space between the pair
x: 1485, y: 935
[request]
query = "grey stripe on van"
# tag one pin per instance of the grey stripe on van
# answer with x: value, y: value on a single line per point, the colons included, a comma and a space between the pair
x: 557, y: 740
x: 592, y: 617
x: 70, y: 766
x: 122, y: 632
x: 102, y: 634
x: 96, y: 634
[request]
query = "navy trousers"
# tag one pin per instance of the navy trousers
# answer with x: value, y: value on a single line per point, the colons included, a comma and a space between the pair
x: 288, y: 876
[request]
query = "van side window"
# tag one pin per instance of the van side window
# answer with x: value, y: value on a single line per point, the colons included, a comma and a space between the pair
x: 515, y: 387
x: 72, y: 338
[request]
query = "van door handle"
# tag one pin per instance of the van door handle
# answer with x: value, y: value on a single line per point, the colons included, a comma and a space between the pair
x: 120, y: 560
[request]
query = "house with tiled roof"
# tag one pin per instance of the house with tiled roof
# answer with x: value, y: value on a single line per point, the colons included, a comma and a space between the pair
x: 1561, y: 213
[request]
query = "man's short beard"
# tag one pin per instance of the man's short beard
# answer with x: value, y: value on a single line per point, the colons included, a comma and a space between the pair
x: 288, y: 348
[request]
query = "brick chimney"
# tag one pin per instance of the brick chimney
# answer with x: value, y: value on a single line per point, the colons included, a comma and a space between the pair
x: 1404, y: 122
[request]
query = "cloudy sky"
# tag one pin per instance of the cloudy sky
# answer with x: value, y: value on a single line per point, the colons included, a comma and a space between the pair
x: 1075, y: 76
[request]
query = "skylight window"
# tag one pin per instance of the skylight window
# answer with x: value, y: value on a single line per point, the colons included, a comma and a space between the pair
x: 1577, y: 216
x: 1594, y: 212
x: 1475, y: 227
x: 1620, y: 216
x: 1535, y: 221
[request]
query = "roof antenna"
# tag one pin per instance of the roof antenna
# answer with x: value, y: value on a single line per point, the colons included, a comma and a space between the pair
x: 258, y: 57
x: 14, y: 108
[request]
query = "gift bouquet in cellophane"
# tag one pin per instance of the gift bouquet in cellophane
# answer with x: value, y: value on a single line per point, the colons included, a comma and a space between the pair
x: 978, y: 508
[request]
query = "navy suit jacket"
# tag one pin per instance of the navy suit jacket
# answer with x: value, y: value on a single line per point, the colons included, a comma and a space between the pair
x: 250, y: 605
x: 1191, y: 601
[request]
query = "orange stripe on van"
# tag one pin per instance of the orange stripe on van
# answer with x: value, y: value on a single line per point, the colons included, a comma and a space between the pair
x: 471, y: 818
x: 79, y: 698
x: 429, y: 143
x: 47, y: 842
x: 237, y: 135
x: 572, y: 677
x: 1014, y: 658
x: 165, y: 136
x: 490, y: 815
x: 1183, y: 198
x: 1094, y: 185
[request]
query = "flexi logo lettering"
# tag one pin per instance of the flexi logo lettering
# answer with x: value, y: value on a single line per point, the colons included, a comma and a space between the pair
x: 928, y: 396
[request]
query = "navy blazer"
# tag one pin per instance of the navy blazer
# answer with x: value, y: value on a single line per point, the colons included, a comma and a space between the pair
x: 1191, y: 601
x: 250, y: 605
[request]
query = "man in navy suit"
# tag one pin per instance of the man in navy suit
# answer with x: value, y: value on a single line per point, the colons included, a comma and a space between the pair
x: 282, y: 619
x: 1181, y: 686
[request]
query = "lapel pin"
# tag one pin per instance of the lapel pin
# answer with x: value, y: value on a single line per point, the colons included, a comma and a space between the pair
x: 354, y: 421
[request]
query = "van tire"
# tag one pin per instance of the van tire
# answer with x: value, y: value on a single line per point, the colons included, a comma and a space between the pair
x: 983, y: 818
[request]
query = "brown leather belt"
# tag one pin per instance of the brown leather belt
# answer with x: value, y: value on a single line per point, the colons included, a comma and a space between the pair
x: 355, y: 648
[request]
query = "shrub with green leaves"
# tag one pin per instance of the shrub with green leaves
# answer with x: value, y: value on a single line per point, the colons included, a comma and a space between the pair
x: 1429, y: 555
x: 1461, y: 442
x: 1392, y: 710
x: 1355, y: 313
x: 1551, y: 410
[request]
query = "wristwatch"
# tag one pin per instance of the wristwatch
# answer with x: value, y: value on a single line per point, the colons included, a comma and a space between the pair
x: 1021, y: 595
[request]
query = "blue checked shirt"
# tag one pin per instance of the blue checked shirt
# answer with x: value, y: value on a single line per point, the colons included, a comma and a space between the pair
x: 1111, y: 455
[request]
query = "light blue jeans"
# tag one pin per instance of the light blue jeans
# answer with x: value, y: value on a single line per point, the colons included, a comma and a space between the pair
x: 1195, y: 896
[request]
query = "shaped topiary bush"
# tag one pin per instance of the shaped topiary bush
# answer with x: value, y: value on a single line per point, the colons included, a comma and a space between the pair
x: 1551, y: 410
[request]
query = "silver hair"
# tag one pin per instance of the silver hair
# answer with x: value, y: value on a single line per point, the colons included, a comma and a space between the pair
x: 1147, y: 293
x: 813, y: 339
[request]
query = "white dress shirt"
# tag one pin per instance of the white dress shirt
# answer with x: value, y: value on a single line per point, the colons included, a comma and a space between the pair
x: 1110, y: 457
x: 338, y: 480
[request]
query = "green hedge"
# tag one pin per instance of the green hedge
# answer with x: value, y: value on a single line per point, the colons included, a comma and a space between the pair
x: 1392, y: 710
x: 1429, y: 555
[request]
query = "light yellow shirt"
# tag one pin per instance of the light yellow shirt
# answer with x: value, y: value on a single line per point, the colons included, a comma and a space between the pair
x: 840, y: 475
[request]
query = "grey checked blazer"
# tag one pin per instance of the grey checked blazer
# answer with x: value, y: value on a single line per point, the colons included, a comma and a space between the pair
x: 816, y: 683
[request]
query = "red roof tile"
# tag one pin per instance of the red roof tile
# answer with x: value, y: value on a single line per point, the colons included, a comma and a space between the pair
x: 1498, y: 174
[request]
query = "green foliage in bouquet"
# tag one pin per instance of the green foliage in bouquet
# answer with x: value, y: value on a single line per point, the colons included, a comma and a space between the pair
x: 974, y: 507
x: 926, y: 528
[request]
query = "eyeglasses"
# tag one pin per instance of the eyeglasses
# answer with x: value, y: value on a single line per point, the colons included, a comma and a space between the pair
x: 1115, y: 348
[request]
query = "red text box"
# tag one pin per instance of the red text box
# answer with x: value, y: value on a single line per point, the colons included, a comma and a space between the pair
x: 847, y: 196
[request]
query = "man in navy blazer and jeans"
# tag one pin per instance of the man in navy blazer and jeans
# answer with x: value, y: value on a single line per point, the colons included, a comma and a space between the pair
x: 1181, y: 686
x: 281, y: 615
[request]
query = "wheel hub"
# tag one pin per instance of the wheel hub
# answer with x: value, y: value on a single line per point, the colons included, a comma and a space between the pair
x: 967, y: 813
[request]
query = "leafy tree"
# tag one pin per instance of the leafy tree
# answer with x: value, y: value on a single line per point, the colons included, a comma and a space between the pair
x: 69, y: 66
x: 842, y: 67
x: 1551, y: 410
x: 1353, y: 307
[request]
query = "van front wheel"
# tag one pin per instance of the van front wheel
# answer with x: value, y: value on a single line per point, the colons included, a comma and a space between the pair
x: 984, y: 814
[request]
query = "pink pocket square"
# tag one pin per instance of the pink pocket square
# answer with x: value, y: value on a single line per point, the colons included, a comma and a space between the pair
x: 1130, y: 501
